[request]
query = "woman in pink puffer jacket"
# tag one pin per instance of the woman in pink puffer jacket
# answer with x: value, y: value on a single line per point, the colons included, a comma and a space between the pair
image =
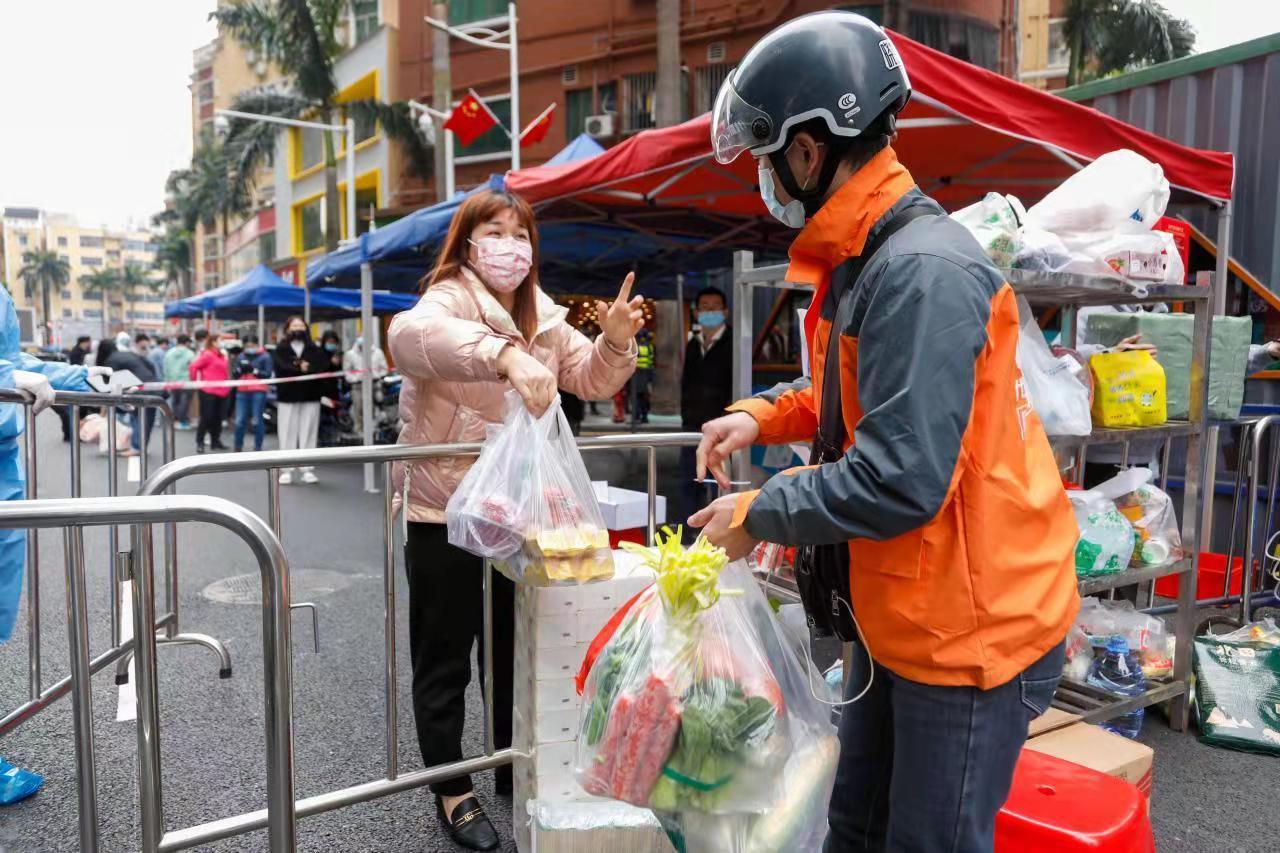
x: 482, y: 328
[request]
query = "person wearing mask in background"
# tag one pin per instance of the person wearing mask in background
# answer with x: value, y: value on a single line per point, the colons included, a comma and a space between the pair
x: 706, y: 389
x: 159, y: 349
x: 483, y: 327
x: 177, y: 364
x: 76, y: 357
x: 353, y: 367
x: 252, y: 363
x: 211, y: 366
x: 110, y: 355
x: 331, y: 343
x: 642, y: 381
x: 934, y: 497
x: 298, y: 403
x: 38, y: 380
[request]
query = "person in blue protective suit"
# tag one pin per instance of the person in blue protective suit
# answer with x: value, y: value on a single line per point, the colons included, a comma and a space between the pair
x: 38, y: 379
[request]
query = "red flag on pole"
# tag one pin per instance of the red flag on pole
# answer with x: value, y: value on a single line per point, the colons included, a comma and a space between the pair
x: 470, y: 119
x: 537, y: 129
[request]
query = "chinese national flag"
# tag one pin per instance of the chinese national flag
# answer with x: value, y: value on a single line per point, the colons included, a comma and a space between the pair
x: 537, y: 129
x: 470, y: 119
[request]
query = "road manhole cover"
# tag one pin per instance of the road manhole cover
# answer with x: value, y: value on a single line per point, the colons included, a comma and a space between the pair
x: 304, y: 585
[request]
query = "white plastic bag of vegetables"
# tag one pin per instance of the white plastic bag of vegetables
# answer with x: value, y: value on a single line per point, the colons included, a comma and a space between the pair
x: 697, y: 705
x: 527, y: 503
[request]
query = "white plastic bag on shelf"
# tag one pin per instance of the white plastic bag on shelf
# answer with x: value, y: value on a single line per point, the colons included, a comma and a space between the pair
x: 1121, y: 192
x: 994, y: 223
x: 528, y: 505
x: 1147, y: 635
x: 1079, y: 654
x: 1054, y: 384
x: 1106, y: 537
x: 1151, y: 511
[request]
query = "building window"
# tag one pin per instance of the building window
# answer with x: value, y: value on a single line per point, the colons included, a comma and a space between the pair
x: 308, y: 149
x: 91, y: 261
x: 66, y: 312
x: 90, y: 242
x: 66, y: 294
x: 707, y: 85
x: 871, y: 11
x: 1059, y: 50
x: 62, y: 242
x: 66, y: 259
x: 494, y: 139
x: 93, y: 313
x: 366, y: 126
x: 137, y: 246
x: 267, y: 246
x: 113, y: 255
x: 211, y: 247
x: 578, y: 104
x: 308, y: 226
x: 467, y: 11
x: 637, y: 101
x: 365, y: 13
x: 963, y: 38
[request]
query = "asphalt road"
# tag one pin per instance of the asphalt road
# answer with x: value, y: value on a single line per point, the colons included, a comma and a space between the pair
x: 211, y: 730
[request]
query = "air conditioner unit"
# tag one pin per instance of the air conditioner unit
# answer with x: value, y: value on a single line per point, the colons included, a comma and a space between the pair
x: 600, y: 127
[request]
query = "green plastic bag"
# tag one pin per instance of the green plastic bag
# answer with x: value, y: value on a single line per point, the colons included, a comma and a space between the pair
x: 1238, y: 688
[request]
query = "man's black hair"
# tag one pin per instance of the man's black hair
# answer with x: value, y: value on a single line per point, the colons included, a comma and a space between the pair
x: 710, y: 291
x: 84, y: 339
x: 857, y: 151
x: 201, y: 334
x: 250, y: 339
x: 140, y: 337
x: 184, y: 338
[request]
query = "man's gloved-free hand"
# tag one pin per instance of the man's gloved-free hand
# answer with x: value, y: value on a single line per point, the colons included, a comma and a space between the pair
x: 37, y: 386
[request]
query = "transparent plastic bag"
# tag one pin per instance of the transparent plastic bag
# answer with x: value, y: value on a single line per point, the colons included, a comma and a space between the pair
x: 696, y: 704
x: 1121, y: 192
x: 1152, y: 514
x: 1106, y: 537
x: 527, y: 503
x: 994, y: 222
x: 1146, y: 635
x: 1079, y: 654
x: 1058, y: 394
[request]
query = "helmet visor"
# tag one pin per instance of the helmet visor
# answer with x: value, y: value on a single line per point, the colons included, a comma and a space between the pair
x: 736, y: 126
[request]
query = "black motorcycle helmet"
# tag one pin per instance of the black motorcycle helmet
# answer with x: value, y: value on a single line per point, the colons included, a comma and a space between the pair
x: 835, y: 67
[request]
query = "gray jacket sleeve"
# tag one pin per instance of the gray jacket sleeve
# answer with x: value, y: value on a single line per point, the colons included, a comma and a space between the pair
x: 924, y: 327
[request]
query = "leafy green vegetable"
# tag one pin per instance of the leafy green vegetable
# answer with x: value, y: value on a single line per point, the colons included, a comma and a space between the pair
x: 626, y: 650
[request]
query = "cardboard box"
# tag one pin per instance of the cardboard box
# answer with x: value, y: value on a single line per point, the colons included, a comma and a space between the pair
x: 1099, y: 749
x: 624, y: 509
x: 1051, y: 720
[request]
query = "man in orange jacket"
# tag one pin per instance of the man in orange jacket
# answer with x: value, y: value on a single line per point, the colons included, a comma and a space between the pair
x: 938, y: 474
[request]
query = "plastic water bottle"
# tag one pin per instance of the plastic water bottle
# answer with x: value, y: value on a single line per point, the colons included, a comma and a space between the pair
x: 1119, y: 672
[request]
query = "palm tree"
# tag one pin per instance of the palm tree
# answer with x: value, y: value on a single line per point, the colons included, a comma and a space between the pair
x: 212, y: 192
x: 102, y: 281
x: 130, y: 278
x: 43, y: 269
x: 1110, y: 36
x: 173, y: 255
x: 300, y: 36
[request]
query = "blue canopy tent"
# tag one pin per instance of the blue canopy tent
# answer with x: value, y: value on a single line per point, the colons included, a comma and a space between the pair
x: 263, y: 294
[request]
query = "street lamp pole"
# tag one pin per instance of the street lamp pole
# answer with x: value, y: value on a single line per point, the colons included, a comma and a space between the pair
x: 483, y: 34
x: 348, y: 128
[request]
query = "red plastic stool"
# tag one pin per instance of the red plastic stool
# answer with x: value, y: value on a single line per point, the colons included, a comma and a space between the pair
x: 1059, y: 806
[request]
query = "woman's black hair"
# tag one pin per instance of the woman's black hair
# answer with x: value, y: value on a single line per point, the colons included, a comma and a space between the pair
x: 106, y: 349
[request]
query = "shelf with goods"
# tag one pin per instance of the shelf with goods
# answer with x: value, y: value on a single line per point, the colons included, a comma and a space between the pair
x: 1070, y: 292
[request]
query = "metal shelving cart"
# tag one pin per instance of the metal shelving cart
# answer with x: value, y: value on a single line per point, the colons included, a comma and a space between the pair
x: 1069, y: 293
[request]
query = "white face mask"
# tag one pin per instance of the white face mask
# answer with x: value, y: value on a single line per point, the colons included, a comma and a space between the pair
x: 790, y: 214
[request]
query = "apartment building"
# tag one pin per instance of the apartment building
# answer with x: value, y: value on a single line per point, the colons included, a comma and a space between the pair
x: 598, y: 61
x: 75, y: 309
x: 1043, y: 54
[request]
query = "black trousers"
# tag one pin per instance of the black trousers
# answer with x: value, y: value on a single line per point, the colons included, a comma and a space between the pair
x: 446, y: 618
x: 212, y: 410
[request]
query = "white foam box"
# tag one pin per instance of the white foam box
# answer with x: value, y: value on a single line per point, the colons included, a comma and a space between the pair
x: 557, y: 694
x: 624, y: 509
x: 556, y: 726
x: 593, y: 827
x: 559, y: 662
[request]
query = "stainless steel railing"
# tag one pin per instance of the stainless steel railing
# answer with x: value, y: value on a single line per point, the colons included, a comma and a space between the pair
x: 39, y: 696
x: 166, y: 479
x: 73, y: 515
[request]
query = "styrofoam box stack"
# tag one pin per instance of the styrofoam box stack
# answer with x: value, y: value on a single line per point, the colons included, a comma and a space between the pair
x: 554, y: 626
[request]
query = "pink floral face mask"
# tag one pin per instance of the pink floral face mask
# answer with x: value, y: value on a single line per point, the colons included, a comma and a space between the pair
x: 502, y: 262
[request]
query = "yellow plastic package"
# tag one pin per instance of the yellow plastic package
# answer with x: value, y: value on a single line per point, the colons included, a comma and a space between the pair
x: 1129, y: 389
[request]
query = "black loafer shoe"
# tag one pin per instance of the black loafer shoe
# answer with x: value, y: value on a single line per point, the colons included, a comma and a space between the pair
x: 469, y: 826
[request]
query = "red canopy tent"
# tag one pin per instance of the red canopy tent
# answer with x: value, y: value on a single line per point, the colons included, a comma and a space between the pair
x: 966, y: 131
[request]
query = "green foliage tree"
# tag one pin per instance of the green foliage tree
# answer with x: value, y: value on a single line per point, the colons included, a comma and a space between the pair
x: 42, y: 270
x: 103, y: 282
x: 301, y: 38
x: 1110, y: 36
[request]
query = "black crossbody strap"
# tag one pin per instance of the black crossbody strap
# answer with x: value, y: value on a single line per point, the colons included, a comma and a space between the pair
x: 829, y: 443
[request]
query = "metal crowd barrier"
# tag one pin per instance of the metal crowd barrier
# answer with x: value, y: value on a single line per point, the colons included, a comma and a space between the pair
x: 272, y: 461
x: 40, y: 696
x: 73, y: 515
